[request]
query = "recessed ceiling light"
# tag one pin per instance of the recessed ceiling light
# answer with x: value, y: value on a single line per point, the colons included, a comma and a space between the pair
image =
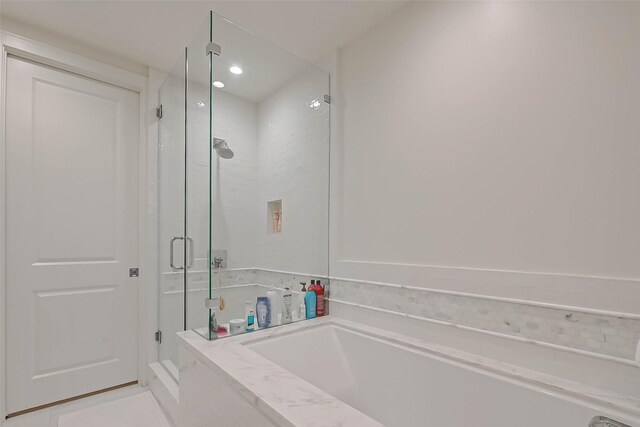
x: 235, y: 69
x: 218, y: 84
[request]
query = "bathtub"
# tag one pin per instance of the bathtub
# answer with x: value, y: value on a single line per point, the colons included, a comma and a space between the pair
x: 336, y: 372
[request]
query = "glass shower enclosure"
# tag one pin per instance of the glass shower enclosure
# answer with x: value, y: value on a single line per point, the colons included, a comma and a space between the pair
x: 243, y: 186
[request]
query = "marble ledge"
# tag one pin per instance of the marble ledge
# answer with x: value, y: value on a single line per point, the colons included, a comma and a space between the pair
x: 274, y: 391
x: 552, y: 384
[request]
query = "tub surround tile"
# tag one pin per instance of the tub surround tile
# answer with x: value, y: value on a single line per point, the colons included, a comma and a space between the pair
x: 612, y: 335
x: 283, y: 279
x: 609, y: 335
x: 627, y: 404
x: 199, y: 279
x: 602, y: 373
x: 287, y: 398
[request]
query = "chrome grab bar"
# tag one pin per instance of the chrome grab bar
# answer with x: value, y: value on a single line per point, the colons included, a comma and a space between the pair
x: 173, y: 239
x: 600, y: 421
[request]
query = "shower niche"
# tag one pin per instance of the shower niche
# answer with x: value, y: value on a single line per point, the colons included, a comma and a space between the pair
x: 245, y: 126
x: 274, y: 217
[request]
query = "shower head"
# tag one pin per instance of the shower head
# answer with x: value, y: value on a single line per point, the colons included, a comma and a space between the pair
x: 225, y: 153
x: 221, y: 146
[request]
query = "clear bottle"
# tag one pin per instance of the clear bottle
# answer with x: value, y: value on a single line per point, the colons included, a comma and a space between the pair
x: 262, y: 312
x: 287, y: 300
x: 302, y: 311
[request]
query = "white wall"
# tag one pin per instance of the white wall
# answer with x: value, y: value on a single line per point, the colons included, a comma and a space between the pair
x: 76, y: 46
x: 493, y: 136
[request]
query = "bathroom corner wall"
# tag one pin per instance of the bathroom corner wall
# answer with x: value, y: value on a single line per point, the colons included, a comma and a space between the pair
x: 486, y: 174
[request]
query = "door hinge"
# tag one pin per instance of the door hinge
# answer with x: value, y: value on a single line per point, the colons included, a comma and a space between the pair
x: 216, y: 49
x: 159, y: 336
x: 159, y: 112
x: 327, y: 99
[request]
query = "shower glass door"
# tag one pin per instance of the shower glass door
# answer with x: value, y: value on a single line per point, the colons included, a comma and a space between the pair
x: 183, y: 198
x: 171, y: 216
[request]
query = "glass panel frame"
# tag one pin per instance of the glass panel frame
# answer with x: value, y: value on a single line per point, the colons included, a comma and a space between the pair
x: 193, y: 178
x: 312, y: 108
x: 171, y: 209
x: 198, y: 176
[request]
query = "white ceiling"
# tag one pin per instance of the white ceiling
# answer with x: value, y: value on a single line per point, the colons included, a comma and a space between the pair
x: 154, y: 33
x: 266, y: 67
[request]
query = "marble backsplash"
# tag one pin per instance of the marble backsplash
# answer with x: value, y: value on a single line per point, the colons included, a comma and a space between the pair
x: 199, y: 280
x: 607, y: 334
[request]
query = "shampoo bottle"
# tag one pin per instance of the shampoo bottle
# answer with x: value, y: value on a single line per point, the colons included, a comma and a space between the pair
x: 319, y: 291
x: 310, y: 303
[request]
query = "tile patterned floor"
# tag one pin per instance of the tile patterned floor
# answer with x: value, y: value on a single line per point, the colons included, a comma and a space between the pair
x: 127, y: 407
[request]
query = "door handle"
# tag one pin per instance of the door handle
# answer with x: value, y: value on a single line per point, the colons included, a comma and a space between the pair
x: 173, y: 239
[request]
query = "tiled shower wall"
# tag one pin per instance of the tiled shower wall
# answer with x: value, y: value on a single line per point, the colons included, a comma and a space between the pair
x: 293, y: 166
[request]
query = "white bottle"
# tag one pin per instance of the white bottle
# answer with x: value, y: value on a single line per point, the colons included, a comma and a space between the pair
x: 274, y: 302
x: 287, y: 298
x: 302, y: 309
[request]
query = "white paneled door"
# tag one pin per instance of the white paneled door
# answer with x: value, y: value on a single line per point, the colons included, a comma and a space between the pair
x: 72, y: 234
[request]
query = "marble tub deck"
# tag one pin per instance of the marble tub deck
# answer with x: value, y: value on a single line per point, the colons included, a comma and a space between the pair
x: 274, y: 391
x: 289, y: 400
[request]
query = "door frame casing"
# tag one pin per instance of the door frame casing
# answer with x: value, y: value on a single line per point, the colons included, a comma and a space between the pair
x: 41, y: 53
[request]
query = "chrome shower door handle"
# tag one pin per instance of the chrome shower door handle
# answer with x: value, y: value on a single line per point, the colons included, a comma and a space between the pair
x: 173, y: 239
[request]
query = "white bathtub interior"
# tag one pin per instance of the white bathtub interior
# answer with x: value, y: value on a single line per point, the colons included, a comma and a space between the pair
x: 399, y: 385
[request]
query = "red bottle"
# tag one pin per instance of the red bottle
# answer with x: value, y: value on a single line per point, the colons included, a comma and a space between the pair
x: 319, y: 290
